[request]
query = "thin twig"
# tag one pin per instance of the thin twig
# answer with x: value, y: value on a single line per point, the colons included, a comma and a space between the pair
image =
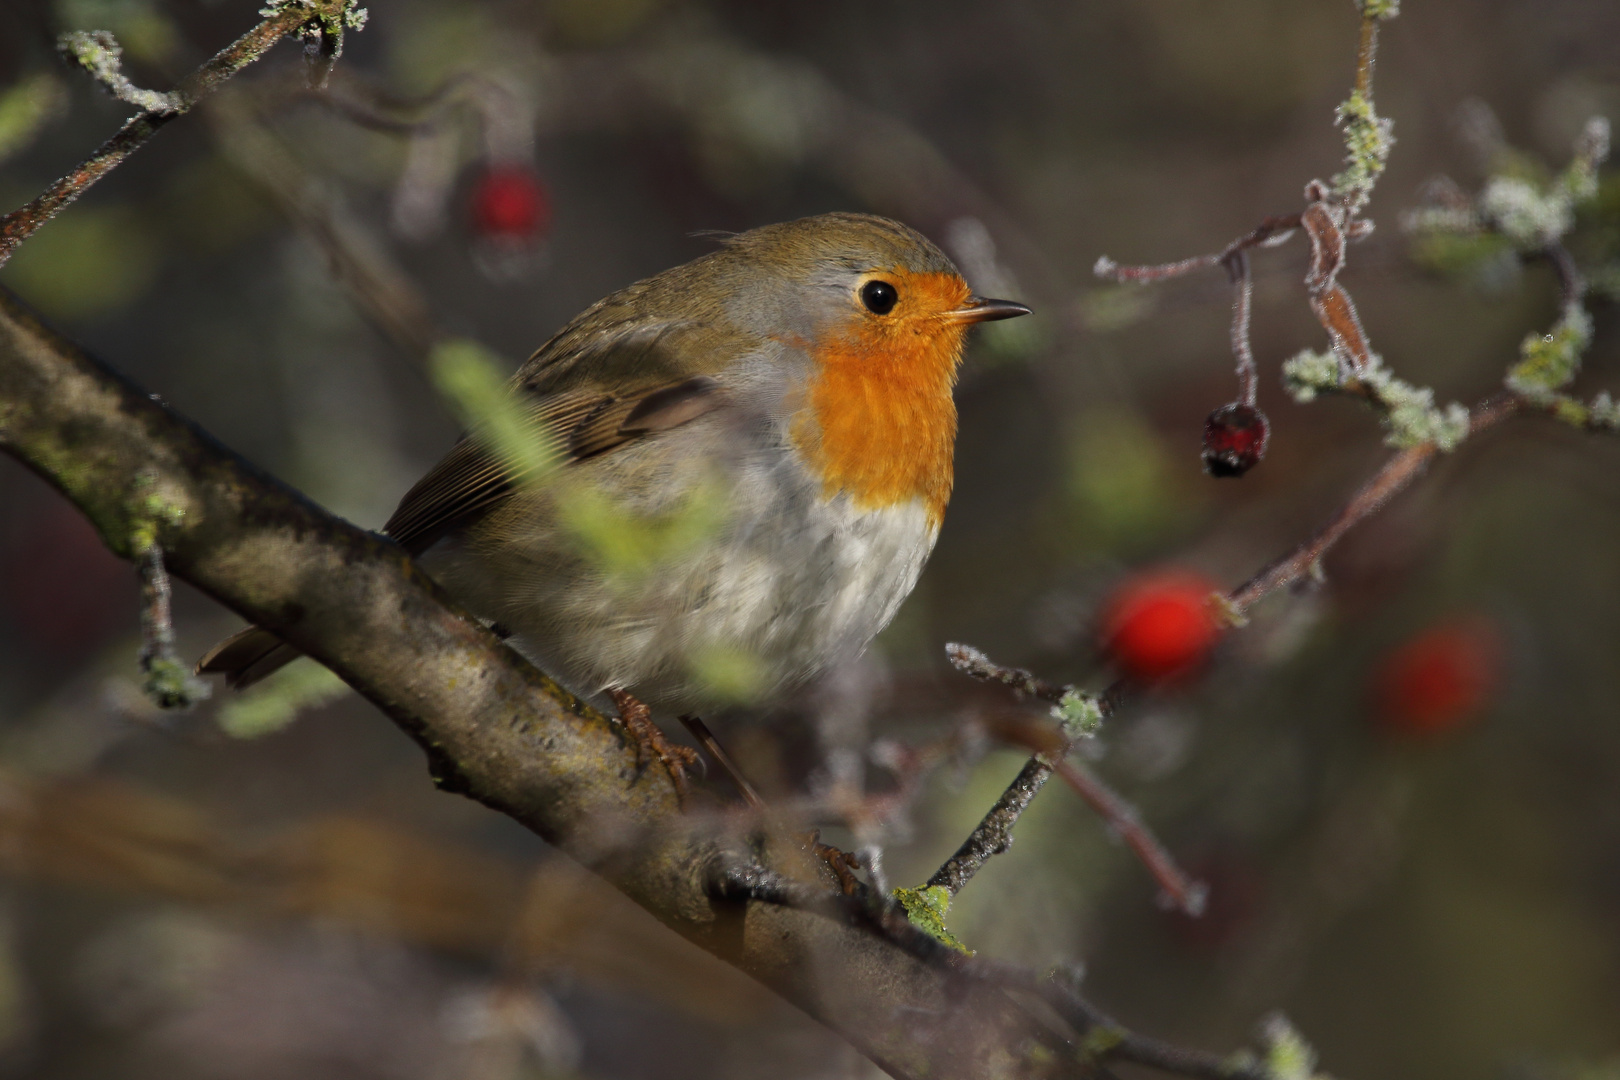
x: 993, y: 834
x: 1111, y: 1040
x: 383, y: 292
x: 1186, y: 894
x: 975, y: 664
x: 1114, y: 1041
x: 1366, y: 55
x: 99, y: 53
x: 1248, y: 372
x: 700, y: 731
x: 286, y: 19
x: 168, y: 680
x: 1398, y: 472
x: 1269, y: 233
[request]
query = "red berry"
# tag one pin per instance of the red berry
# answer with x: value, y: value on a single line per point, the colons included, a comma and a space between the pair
x: 1440, y: 679
x: 1234, y: 439
x: 1160, y: 626
x: 509, y: 203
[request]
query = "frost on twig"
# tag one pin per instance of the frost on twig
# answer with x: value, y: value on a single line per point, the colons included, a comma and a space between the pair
x: 1409, y: 411
x: 1529, y: 218
x: 167, y: 680
x: 323, y: 33
x: 1081, y: 712
x: 99, y: 53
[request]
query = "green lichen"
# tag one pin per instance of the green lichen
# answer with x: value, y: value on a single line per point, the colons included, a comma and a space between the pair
x: 1080, y: 713
x: 926, y: 907
x: 1579, y: 181
x: 1379, y: 9
x: 1368, y: 140
x: 1549, y: 362
x: 99, y: 53
x: 169, y: 684
x: 1412, y: 416
x: 150, y: 512
x: 323, y: 31
x: 331, y: 17
x: 1529, y: 216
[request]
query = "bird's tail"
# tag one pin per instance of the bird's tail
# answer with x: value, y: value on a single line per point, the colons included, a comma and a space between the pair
x: 247, y: 657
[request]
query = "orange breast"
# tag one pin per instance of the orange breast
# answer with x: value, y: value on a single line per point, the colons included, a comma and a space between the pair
x: 880, y: 423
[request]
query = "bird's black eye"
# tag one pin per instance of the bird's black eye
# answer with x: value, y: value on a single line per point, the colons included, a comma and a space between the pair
x: 879, y: 297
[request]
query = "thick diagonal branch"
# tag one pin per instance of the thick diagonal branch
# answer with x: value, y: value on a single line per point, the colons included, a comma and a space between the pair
x: 494, y: 728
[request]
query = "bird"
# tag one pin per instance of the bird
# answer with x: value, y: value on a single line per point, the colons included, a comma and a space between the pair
x: 750, y: 457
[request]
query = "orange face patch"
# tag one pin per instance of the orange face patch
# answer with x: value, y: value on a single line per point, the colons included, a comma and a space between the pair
x: 880, y: 423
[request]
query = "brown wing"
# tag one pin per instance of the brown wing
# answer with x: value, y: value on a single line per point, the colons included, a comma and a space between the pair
x: 471, y: 479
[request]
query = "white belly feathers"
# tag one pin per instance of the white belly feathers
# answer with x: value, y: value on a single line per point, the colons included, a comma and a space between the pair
x: 738, y: 600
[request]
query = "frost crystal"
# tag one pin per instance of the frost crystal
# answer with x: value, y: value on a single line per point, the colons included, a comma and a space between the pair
x: 1310, y: 373
x: 1080, y: 714
x: 1523, y: 214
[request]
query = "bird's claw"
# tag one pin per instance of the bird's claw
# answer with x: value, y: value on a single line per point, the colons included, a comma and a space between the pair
x: 650, y: 742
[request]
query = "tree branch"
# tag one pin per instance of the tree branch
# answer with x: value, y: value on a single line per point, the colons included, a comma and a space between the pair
x: 494, y: 728
x: 324, y: 18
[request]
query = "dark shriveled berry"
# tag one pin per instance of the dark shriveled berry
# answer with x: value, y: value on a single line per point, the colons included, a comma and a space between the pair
x: 1234, y: 439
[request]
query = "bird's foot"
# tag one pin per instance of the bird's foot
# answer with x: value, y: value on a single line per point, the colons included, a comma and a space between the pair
x: 841, y: 863
x: 650, y: 742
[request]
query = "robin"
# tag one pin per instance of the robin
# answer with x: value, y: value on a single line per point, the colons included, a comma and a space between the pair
x: 754, y: 457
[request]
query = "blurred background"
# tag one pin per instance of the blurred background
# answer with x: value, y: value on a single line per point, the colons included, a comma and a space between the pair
x: 1401, y: 785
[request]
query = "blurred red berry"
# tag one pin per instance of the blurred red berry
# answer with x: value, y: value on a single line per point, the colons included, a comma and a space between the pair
x: 1440, y: 679
x: 1234, y: 439
x: 510, y: 204
x: 1159, y: 626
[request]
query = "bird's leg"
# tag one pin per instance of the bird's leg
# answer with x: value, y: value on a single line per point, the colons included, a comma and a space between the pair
x: 650, y: 742
x: 840, y: 862
x: 700, y: 731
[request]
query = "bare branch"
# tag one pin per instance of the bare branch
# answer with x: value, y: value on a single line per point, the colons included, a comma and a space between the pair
x: 284, y: 19
x: 1185, y: 894
x: 493, y: 727
x: 99, y: 53
x: 993, y: 834
x: 1248, y: 372
x: 1398, y: 472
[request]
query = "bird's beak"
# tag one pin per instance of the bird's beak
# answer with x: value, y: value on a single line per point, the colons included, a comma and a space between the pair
x: 978, y: 310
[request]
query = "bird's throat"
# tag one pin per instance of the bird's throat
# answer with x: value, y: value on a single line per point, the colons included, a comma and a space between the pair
x: 879, y: 423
